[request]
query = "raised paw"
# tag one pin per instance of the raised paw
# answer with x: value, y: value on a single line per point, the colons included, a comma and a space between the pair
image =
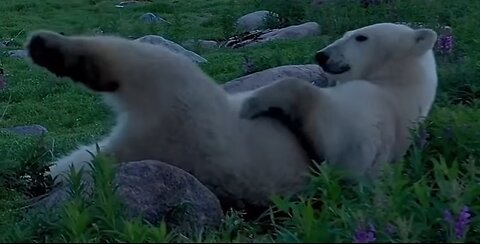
x: 63, y: 57
x: 252, y: 107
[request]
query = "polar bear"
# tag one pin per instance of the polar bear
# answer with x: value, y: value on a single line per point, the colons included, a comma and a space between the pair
x: 386, y: 84
x: 169, y: 110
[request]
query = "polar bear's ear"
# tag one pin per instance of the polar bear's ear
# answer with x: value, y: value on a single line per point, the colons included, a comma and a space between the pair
x: 424, y: 40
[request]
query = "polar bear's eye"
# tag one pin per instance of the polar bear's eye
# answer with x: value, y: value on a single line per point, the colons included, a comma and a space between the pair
x: 361, y: 38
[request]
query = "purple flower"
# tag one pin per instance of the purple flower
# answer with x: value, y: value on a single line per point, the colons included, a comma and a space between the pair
x: 461, y: 224
x: 447, y: 216
x: 445, y: 40
x: 364, y: 234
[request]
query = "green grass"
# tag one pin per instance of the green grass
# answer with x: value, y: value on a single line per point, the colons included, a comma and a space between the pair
x: 411, y: 201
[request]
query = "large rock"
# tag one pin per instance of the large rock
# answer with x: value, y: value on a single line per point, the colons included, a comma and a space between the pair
x: 304, y: 30
x: 308, y: 29
x: 254, y: 21
x: 154, y: 191
x: 158, y: 40
x: 309, y: 72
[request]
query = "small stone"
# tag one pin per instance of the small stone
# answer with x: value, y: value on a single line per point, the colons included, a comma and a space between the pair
x: 254, y: 21
x: 149, y: 18
x: 127, y: 3
x: 158, y: 40
x: 18, y: 53
x: 27, y: 130
x: 97, y: 31
x: 8, y: 43
x: 152, y: 18
x: 248, y: 66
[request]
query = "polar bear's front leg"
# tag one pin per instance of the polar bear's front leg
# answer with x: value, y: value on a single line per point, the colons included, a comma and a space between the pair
x: 80, y: 158
x: 72, y: 58
x: 290, y: 101
x: 290, y: 97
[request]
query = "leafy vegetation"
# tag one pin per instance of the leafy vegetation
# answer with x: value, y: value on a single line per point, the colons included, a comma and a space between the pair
x: 433, y: 196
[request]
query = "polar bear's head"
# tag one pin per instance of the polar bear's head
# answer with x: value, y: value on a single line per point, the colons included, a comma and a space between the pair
x: 362, y: 52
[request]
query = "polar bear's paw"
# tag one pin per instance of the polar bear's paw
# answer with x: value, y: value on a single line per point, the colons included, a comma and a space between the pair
x: 252, y: 107
x: 67, y: 57
x: 281, y: 98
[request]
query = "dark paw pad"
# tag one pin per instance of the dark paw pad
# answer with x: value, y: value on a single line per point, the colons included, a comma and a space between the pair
x: 59, y: 55
x: 251, y: 108
x: 45, y: 51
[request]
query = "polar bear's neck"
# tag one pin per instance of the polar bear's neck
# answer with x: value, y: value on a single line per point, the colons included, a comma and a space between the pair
x: 406, y: 71
x: 415, y: 81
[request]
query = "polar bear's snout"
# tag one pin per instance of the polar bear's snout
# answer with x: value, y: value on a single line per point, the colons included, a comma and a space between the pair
x: 330, y: 65
x: 322, y: 58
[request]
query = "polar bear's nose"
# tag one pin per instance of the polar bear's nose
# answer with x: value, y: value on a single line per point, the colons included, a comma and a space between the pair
x: 321, y: 58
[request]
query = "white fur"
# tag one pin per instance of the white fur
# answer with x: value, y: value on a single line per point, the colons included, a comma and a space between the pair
x: 366, y: 120
x: 168, y: 109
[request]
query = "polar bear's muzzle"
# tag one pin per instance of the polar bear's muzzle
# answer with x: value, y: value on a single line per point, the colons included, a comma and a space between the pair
x: 330, y: 65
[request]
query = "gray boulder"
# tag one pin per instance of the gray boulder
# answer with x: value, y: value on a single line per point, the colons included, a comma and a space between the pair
x: 308, y: 29
x: 158, y: 40
x: 309, y: 72
x: 300, y: 31
x: 156, y: 191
